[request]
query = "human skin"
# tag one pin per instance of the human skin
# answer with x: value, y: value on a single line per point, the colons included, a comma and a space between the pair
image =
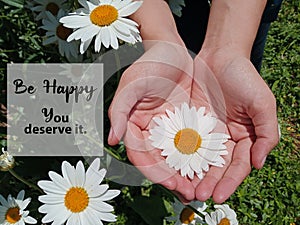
x: 250, y: 105
x: 250, y: 109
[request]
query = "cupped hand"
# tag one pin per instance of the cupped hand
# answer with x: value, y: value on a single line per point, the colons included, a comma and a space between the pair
x: 159, y: 80
x: 240, y: 98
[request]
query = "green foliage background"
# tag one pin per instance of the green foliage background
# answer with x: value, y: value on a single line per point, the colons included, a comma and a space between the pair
x: 268, y: 196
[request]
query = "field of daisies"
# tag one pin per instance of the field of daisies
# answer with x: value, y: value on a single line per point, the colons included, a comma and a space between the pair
x: 79, y: 190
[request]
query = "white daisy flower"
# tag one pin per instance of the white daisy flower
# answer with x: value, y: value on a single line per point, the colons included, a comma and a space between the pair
x: 42, y: 6
x: 185, y: 215
x: 57, y: 33
x: 187, y: 142
x: 12, y: 210
x: 105, y: 20
x: 223, y: 215
x: 77, y: 197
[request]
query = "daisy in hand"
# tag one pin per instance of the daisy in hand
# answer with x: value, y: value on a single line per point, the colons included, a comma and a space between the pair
x: 12, y: 210
x: 77, y: 197
x: 186, y: 140
x: 105, y: 20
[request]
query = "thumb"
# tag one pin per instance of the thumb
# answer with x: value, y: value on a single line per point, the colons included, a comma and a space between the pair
x: 267, y: 134
x: 119, y: 110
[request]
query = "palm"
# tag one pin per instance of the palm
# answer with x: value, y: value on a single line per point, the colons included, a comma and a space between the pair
x: 149, y: 87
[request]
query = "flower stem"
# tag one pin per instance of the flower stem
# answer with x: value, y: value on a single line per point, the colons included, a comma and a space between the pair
x: 29, y: 184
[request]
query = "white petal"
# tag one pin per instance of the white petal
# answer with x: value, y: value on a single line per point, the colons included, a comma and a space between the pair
x: 21, y: 195
x: 113, y: 39
x: 91, y: 32
x: 169, y: 126
x: 128, y: 22
x: 30, y: 220
x: 185, y: 159
x: 93, y: 168
x: 121, y: 4
x: 178, y: 124
x: 195, y: 165
x: 110, y: 194
x: 77, y: 35
x: 59, y: 180
x: 173, y: 159
x: 96, y: 190
x: 168, y: 148
x: 61, y: 217
x: 100, y: 206
x: 201, y: 111
x: 109, y: 217
x: 80, y: 174
x: 212, y: 145
x: 105, y: 37
x: 91, y: 6
x: 50, y: 187
x: 129, y: 9
x: 123, y: 37
x: 210, y: 156
x: 73, y: 219
x: 75, y: 21
x: 88, y: 217
x: 20, y: 222
x: 217, y: 136
x: 206, y: 124
x: 69, y: 173
x: 209, y: 220
x: 94, y: 177
x: 51, y: 199
x: 98, y: 42
x: 191, y: 174
x: 121, y: 27
x: 23, y: 204
x: 84, y: 45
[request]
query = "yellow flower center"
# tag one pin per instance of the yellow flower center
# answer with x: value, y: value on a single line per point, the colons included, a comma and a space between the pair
x: 63, y: 32
x: 224, y: 221
x: 187, y: 141
x: 53, y: 8
x: 187, y: 216
x: 104, y: 15
x: 76, y: 199
x: 13, y: 215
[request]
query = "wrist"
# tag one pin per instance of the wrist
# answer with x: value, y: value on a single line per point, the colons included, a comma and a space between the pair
x: 156, y: 22
x: 233, y: 25
x: 217, y: 59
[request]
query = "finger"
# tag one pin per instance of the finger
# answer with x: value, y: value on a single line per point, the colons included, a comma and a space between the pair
x: 153, y: 165
x: 238, y: 170
x: 205, y: 188
x: 118, y: 113
x: 265, y: 122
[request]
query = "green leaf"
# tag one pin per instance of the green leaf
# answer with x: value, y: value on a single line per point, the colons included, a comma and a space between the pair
x: 15, y: 3
x: 151, y: 209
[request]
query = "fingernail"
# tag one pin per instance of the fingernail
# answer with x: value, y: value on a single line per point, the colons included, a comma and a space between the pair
x: 263, y: 161
x: 110, y: 134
